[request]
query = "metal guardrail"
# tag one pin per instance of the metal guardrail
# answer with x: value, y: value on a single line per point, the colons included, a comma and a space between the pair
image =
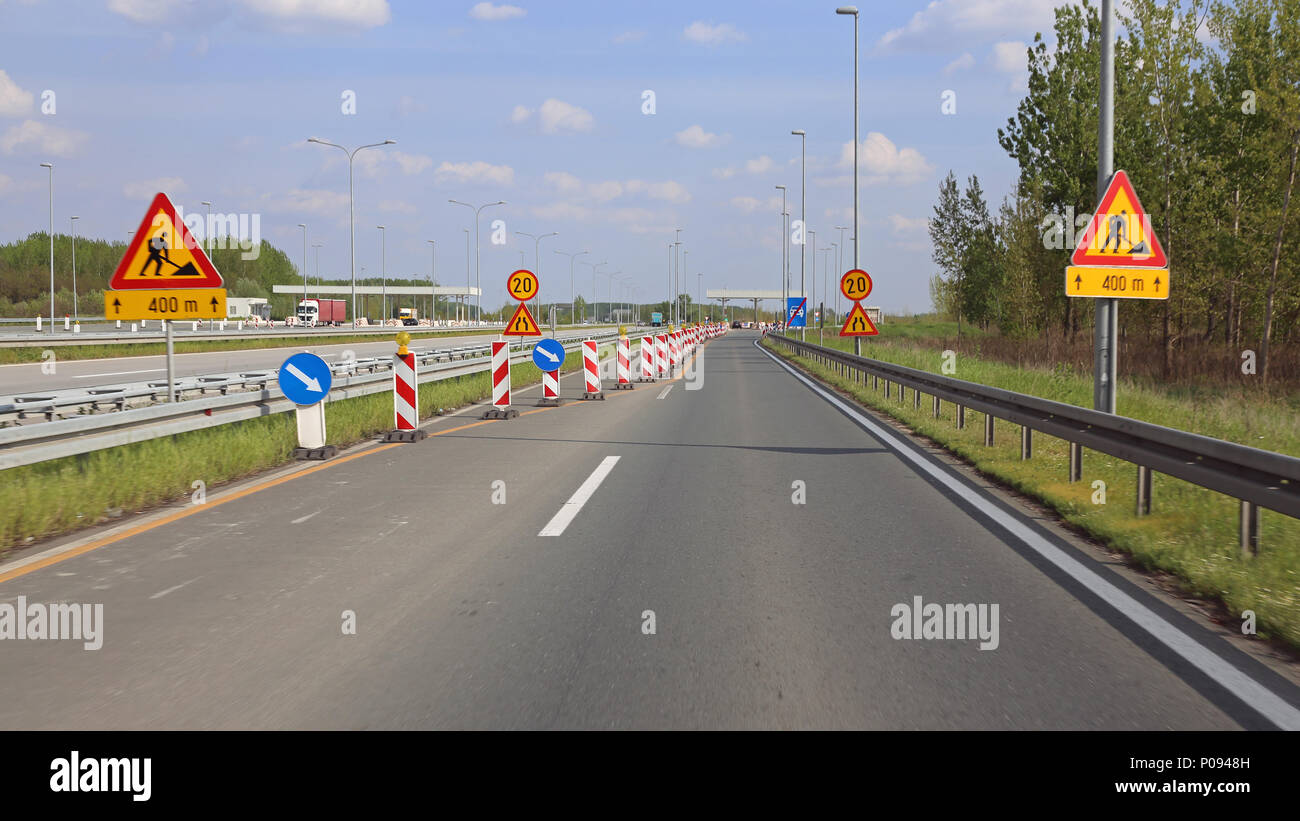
x: 1256, y: 478
x: 49, y: 404
x: 29, y: 444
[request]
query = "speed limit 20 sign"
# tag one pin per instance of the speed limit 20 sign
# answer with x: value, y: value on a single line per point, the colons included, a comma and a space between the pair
x: 855, y: 285
x: 522, y: 285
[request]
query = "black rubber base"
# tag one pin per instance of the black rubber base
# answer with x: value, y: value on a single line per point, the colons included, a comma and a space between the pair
x: 315, y: 454
x: 645, y: 379
x: 591, y: 396
x: 405, y: 436
x: 550, y: 403
x: 624, y: 386
x: 497, y: 413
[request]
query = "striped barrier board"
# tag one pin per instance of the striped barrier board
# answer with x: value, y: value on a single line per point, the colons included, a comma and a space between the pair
x: 648, y: 367
x: 624, y: 364
x: 500, y: 383
x: 591, y: 370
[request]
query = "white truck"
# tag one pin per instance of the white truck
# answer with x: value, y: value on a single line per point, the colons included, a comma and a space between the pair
x: 409, y: 316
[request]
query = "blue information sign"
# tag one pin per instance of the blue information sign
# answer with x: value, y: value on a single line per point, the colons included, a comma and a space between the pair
x: 796, y: 311
x: 548, y: 355
x: 305, y: 378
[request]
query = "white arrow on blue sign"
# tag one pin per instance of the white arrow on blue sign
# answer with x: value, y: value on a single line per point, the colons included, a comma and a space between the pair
x: 548, y: 355
x: 305, y: 378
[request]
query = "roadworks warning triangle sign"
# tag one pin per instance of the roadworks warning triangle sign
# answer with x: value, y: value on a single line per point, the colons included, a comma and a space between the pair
x: 164, y: 254
x: 1120, y: 233
x: 857, y: 323
x: 521, y: 324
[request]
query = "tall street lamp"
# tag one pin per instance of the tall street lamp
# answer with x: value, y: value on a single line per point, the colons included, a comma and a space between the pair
x: 594, y: 267
x: 433, y: 274
x: 537, y: 260
x: 785, y: 247
x: 76, y: 317
x: 803, y: 219
x: 463, y: 309
x: 478, y: 268
x: 853, y: 10
x: 677, y: 279
x: 383, y: 272
x: 352, y: 227
x: 572, y: 295
x: 51, y: 167
x: 303, y: 226
x: 317, y: 246
x: 207, y: 229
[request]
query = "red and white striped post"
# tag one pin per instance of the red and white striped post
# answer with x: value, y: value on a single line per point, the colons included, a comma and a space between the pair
x: 500, y: 383
x: 648, y: 366
x: 624, y: 362
x: 661, y: 347
x: 591, y: 370
x: 550, y: 389
x: 406, y: 403
x: 672, y: 352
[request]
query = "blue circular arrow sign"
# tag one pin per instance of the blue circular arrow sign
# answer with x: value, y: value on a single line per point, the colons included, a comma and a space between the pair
x: 305, y: 378
x: 548, y: 355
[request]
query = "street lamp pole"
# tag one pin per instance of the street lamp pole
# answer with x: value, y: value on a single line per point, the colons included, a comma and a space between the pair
x: 433, y: 273
x: 785, y: 246
x: 803, y: 220
x: 76, y: 316
x: 572, y: 295
x: 303, y: 226
x: 853, y: 10
x: 51, y: 167
x: 478, y: 267
x: 594, y: 267
x: 383, y: 273
x: 317, y: 246
x: 352, y: 222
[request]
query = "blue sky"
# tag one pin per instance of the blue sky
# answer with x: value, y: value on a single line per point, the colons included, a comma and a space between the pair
x: 536, y: 103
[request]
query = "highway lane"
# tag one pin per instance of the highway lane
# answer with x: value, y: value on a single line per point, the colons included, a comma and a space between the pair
x: 768, y: 613
x: 28, y: 377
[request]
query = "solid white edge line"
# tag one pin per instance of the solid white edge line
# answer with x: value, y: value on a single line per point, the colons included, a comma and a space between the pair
x: 1255, y: 695
x: 570, y: 509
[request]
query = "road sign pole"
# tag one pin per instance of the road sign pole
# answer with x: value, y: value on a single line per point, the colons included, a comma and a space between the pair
x: 171, y: 364
x: 1106, y: 324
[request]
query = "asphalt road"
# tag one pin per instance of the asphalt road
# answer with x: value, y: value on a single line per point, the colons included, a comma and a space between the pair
x: 768, y: 614
x: 28, y: 377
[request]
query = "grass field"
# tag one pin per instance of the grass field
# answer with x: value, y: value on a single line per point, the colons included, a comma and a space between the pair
x: 1191, y: 533
x: 63, y: 495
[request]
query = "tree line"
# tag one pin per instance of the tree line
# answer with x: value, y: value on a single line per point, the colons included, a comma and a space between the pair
x: 1207, y: 124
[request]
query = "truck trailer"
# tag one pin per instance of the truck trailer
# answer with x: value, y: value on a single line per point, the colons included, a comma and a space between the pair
x: 322, y: 311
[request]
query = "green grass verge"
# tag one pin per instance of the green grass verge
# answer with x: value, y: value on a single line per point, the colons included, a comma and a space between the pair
x: 63, y: 495
x: 68, y: 353
x: 1191, y: 533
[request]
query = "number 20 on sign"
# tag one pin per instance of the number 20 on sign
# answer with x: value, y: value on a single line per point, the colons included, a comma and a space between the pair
x: 522, y: 285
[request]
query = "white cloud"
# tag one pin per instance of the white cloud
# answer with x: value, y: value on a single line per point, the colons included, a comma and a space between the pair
x: 5, y: 183
x: 845, y: 214
x: 962, y: 63
x: 944, y: 21
x: 561, y: 211
x: 145, y: 189
x: 751, y: 204
x: 310, y: 201
x: 605, y: 191
x: 724, y: 173
x: 557, y: 116
x: 884, y: 163
x: 563, y: 181
x: 14, y: 102
x: 520, y: 114
x: 292, y: 13
x: 34, y: 137
x: 1009, y: 56
x: 488, y: 11
x: 902, y: 225
x: 711, y: 35
x: 629, y: 37
x: 669, y: 191
x: 201, y: 46
x: 696, y: 137
x: 408, y: 105
x: 397, y: 207
x: 759, y: 165
x: 412, y: 164
x: 478, y: 171
x: 152, y: 12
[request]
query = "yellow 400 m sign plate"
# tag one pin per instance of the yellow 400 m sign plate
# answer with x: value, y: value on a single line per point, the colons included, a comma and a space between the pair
x: 172, y: 303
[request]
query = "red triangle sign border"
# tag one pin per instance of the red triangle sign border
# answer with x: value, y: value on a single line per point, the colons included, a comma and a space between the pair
x: 209, y: 278
x: 1082, y: 253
